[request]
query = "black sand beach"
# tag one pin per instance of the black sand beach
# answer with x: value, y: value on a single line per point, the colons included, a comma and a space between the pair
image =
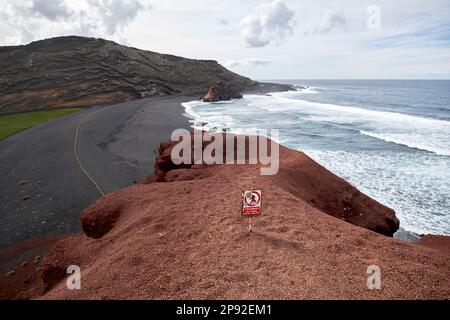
x: 117, y: 139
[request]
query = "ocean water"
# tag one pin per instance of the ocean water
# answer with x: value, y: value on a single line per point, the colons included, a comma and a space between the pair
x: 389, y: 138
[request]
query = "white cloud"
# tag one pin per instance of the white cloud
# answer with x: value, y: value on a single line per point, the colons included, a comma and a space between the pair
x: 332, y: 19
x: 36, y: 19
x: 412, y: 40
x: 53, y: 10
x: 258, y: 62
x: 254, y: 62
x: 272, y: 23
x: 116, y: 14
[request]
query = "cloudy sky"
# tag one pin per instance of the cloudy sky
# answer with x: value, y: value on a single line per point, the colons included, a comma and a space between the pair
x: 264, y: 39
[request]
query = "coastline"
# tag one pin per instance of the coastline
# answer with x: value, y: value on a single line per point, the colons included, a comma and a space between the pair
x: 348, y: 129
x: 359, y: 235
x: 214, y: 159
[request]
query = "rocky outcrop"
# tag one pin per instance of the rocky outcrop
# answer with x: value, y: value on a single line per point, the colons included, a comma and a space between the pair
x: 221, y: 91
x: 77, y: 72
x: 300, y: 176
x: 99, y: 219
x: 441, y: 243
x: 181, y: 236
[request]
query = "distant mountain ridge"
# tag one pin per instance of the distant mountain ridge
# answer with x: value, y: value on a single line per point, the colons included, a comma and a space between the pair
x: 76, y: 71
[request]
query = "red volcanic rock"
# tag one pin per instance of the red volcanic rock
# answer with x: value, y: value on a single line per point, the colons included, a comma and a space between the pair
x: 24, y: 258
x: 99, y: 218
x: 438, y: 242
x: 182, y: 236
x: 304, y: 178
x: 221, y: 91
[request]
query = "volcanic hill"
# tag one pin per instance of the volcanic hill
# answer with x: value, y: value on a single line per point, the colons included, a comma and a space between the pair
x: 77, y: 72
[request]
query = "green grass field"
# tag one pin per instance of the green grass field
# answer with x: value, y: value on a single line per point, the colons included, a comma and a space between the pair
x: 15, y: 123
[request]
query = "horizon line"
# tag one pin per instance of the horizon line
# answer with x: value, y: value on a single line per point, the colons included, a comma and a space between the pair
x: 357, y: 79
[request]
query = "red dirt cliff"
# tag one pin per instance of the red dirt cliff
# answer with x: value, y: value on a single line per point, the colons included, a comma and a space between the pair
x: 180, y: 235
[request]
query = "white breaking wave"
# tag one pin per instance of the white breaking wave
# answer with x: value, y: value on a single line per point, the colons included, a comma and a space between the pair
x: 214, y: 121
x: 415, y: 184
x: 413, y: 131
x: 409, y: 141
x: 309, y: 90
x: 432, y: 135
x: 189, y: 109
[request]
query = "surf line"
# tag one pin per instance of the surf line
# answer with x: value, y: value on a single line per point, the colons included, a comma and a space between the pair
x: 77, y: 157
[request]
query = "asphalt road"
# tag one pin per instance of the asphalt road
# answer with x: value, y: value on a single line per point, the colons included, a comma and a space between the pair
x: 43, y: 189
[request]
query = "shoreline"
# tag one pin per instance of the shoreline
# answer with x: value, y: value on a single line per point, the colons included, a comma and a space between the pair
x: 417, y: 220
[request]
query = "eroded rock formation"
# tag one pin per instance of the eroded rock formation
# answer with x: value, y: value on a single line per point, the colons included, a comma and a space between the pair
x: 221, y: 91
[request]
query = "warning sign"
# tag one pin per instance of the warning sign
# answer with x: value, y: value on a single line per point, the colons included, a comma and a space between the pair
x: 252, y: 203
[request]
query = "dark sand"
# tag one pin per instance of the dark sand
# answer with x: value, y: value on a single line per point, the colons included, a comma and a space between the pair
x: 120, y: 139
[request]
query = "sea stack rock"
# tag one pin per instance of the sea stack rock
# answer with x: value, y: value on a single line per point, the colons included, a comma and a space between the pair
x: 221, y: 91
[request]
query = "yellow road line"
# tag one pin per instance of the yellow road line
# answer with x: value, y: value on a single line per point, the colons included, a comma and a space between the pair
x: 75, y: 149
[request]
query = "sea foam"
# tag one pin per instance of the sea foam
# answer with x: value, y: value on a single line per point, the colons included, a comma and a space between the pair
x: 400, y: 159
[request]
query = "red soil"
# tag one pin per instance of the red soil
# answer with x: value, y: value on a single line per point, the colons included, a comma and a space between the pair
x: 184, y: 238
x: 21, y: 274
x: 441, y: 243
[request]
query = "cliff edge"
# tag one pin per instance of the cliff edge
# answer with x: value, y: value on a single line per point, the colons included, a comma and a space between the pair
x: 181, y: 235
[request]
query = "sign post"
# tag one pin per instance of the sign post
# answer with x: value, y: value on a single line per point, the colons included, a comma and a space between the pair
x: 251, y: 205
